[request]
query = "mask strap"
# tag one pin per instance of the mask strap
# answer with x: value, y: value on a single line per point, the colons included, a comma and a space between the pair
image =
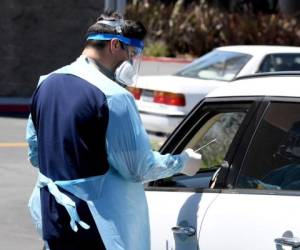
x: 117, y: 24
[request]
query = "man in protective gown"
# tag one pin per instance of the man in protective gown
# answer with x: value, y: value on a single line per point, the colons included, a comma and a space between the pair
x: 86, y: 138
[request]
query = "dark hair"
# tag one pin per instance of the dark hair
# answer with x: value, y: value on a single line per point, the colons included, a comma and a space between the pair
x: 130, y: 29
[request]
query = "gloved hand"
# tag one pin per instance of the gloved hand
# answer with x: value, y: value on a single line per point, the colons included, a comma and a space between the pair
x: 193, y: 163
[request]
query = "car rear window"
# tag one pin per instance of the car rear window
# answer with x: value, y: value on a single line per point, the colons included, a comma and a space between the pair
x: 216, y: 65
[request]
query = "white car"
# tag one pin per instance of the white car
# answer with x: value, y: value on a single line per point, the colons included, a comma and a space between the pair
x: 247, y: 197
x: 163, y: 101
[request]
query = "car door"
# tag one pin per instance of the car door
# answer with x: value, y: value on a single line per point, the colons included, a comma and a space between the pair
x: 178, y: 204
x: 260, y: 210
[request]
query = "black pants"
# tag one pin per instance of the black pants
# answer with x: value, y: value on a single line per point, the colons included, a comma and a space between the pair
x: 56, y: 226
x: 75, y: 245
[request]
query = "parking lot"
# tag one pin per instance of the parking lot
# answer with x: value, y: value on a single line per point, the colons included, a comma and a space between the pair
x: 17, y: 181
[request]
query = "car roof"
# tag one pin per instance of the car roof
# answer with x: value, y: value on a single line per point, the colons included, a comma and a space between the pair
x: 260, y: 49
x: 281, y: 85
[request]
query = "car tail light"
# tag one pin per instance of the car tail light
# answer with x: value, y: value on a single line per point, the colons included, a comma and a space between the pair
x: 169, y: 98
x: 136, y: 92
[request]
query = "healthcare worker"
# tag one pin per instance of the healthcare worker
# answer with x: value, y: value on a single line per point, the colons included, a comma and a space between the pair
x: 91, y: 149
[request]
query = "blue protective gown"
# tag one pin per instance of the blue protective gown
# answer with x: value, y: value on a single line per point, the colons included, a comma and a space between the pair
x: 115, y: 197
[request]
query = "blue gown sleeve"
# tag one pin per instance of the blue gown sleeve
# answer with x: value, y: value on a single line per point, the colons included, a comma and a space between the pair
x: 31, y: 139
x: 31, y: 136
x: 128, y: 146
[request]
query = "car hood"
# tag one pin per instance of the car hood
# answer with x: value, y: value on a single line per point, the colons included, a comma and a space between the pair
x: 177, y: 84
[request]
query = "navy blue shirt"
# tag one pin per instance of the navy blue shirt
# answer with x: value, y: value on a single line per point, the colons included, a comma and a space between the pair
x: 70, y: 116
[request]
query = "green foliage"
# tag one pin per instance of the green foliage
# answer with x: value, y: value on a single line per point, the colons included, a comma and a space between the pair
x: 156, y: 49
x: 195, y: 29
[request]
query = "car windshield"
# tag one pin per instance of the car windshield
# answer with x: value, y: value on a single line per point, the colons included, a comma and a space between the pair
x: 216, y: 65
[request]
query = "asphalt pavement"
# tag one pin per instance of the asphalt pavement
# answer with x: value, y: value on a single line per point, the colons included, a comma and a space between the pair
x: 17, y: 181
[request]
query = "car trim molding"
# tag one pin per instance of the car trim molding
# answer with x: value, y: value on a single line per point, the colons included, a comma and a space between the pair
x: 181, y: 189
x: 162, y: 115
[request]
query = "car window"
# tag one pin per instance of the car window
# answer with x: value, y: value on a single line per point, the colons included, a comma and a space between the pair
x: 212, y: 140
x: 216, y: 65
x: 215, y: 137
x: 273, y: 159
x: 280, y: 62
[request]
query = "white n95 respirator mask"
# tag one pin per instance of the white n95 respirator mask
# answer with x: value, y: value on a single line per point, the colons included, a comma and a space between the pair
x: 126, y: 74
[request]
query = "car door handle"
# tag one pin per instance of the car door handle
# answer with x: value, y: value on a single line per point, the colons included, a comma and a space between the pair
x: 189, y: 231
x: 286, y: 241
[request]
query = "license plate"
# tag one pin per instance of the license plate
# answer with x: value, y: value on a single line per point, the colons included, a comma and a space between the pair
x: 147, y: 96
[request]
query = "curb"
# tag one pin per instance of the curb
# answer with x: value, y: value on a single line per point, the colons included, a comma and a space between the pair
x: 14, y: 105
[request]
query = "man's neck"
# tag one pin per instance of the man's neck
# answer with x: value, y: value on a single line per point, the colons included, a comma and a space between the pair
x: 97, y: 60
x: 99, y: 57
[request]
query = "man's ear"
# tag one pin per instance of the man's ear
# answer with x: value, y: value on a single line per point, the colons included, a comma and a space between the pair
x: 115, y: 46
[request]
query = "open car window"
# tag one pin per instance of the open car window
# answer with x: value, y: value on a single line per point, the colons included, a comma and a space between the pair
x: 213, y: 139
x: 215, y: 136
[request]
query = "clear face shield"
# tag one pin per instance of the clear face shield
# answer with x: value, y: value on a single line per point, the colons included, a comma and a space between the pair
x: 127, y: 72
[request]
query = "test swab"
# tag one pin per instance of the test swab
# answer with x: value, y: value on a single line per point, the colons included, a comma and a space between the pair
x: 205, y: 145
